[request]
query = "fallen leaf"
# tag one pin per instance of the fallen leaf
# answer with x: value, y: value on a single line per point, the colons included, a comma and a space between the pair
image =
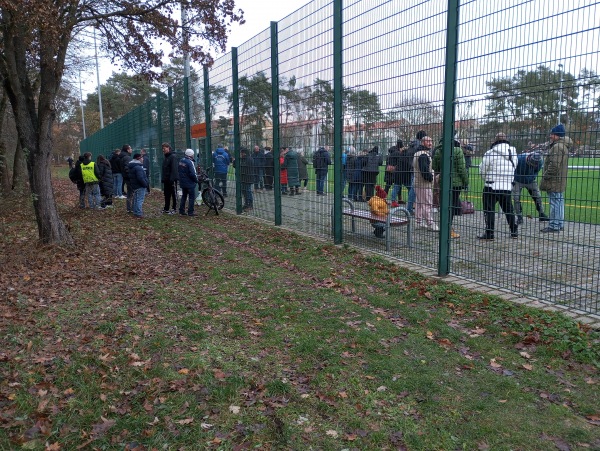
x: 185, y: 421
x: 332, y: 433
x: 528, y: 367
x: 234, y: 409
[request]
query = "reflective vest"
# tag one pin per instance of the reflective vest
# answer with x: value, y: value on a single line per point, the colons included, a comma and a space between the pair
x: 87, y: 173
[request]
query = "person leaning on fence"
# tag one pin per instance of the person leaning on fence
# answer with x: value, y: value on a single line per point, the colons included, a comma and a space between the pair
x: 106, y: 181
x: 528, y: 166
x: 246, y: 178
x: 188, y: 179
x: 169, y: 177
x: 497, y: 171
x: 221, y: 163
x: 459, y: 178
x: 423, y: 185
x: 138, y: 184
x: 554, y: 177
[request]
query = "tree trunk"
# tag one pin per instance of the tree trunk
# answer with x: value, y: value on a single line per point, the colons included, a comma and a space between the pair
x: 5, y: 177
x: 51, y: 228
x: 19, y: 179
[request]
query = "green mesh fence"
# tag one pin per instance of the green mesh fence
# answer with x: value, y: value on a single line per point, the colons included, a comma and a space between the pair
x: 485, y: 82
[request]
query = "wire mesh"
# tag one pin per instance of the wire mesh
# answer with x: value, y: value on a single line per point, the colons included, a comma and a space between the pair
x: 522, y: 69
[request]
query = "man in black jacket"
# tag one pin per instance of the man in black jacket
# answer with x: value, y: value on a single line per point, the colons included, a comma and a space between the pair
x: 124, y: 162
x: 170, y: 175
x: 115, y: 167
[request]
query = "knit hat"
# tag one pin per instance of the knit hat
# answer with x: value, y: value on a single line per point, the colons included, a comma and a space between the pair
x: 379, y: 192
x: 137, y: 156
x: 189, y: 153
x: 559, y: 130
x: 421, y: 134
x: 534, y: 159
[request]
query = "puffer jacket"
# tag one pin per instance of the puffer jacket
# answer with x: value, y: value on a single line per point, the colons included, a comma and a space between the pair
x: 137, y: 175
x: 106, y: 178
x: 554, y: 174
x: 187, y: 173
x: 497, y: 168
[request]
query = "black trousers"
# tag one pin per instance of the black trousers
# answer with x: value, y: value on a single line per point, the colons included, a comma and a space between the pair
x: 490, y: 199
x: 170, y: 193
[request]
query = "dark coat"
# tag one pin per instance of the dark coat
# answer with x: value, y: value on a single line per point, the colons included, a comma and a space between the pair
x: 106, y: 178
x: 137, y: 175
x: 187, y: 173
x: 290, y: 162
x: 393, y: 159
x: 115, y: 163
x: 124, y: 164
x: 373, y: 161
x: 321, y: 159
x: 247, y: 170
x: 170, y: 171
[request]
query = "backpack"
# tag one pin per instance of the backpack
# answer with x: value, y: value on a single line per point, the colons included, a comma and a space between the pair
x: 73, y: 175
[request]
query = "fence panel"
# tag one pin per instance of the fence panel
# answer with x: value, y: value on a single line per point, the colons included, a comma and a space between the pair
x: 521, y: 69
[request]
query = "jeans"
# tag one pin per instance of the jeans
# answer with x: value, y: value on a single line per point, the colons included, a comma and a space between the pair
x: 321, y: 177
x: 247, y: 193
x: 221, y: 182
x: 118, y: 184
x: 190, y: 195
x: 92, y: 192
x: 557, y: 210
x: 397, y: 189
x: 138, y: 200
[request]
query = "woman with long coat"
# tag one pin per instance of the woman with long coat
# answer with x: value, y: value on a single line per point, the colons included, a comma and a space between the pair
x: 106, y: 181
x: 290, y: 162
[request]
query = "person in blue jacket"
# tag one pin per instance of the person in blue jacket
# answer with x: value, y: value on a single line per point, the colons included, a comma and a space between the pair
x: 188, y: 179
x: 138, y: 182
x: 528, y: 166
x: 221, y: 162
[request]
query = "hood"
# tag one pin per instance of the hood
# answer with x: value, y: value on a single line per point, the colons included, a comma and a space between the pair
x: 502, y: 149
x: 220, y: 150
x: 134, y: 162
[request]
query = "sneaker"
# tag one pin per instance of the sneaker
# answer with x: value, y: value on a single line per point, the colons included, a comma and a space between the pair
x: 550, y: 230
x: 166, y: 212
x: 453, y: 234
x: 172, y: 212
x: 485, y: 238
x: 181, y: 213
x: 192, y: 214
x: 514, y: 235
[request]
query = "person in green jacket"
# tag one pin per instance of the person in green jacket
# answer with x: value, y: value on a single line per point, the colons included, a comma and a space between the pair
x: 459, y: 177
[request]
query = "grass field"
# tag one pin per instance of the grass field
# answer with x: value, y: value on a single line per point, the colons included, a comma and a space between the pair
x: 225, y: 333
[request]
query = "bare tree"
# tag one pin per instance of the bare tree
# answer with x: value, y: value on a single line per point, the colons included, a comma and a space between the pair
x: 35, y: 41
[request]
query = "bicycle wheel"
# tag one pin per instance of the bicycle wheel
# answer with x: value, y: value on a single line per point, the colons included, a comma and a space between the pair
x: 213, y: 199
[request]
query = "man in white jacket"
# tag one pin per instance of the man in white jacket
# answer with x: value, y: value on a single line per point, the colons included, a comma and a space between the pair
x: 497, y: 171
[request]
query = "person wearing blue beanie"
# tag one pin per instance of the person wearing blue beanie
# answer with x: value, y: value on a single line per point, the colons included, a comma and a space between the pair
x: 554, y: 177
x: 559, y: 130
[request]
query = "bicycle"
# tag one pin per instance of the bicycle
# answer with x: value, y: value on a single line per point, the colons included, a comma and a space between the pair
x: 211, y: 197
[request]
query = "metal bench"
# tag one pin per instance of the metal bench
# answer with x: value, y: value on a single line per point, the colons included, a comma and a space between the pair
x: 392, y: 219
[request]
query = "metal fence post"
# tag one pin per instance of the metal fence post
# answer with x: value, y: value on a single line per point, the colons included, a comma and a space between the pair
x: 207, y: 120
x: 448, y: 137
x: 171, y: 118
x: 275, y: 106
x: 236, y: 128
x: 338, y: 123
x: 186, y: 109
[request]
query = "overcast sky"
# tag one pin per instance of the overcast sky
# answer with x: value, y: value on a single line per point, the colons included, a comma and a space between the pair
x: 258, y: 15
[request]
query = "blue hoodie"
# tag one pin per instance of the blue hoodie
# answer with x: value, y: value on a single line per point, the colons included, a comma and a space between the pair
x: 221, y: 161
x: 526, y: 171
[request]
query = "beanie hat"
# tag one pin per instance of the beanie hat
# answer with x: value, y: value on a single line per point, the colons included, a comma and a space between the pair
x: 559, y: 130
x: 137, y: 156
x: 534, y: 159
x: 421, y: 134
x: 380, y: 192
x: 189, y: 153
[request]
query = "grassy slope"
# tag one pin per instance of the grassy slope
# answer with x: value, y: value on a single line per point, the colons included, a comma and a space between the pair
x: 219, y: 332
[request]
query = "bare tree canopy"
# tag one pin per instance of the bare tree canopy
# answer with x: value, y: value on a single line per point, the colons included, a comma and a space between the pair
x: 35, y: 40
